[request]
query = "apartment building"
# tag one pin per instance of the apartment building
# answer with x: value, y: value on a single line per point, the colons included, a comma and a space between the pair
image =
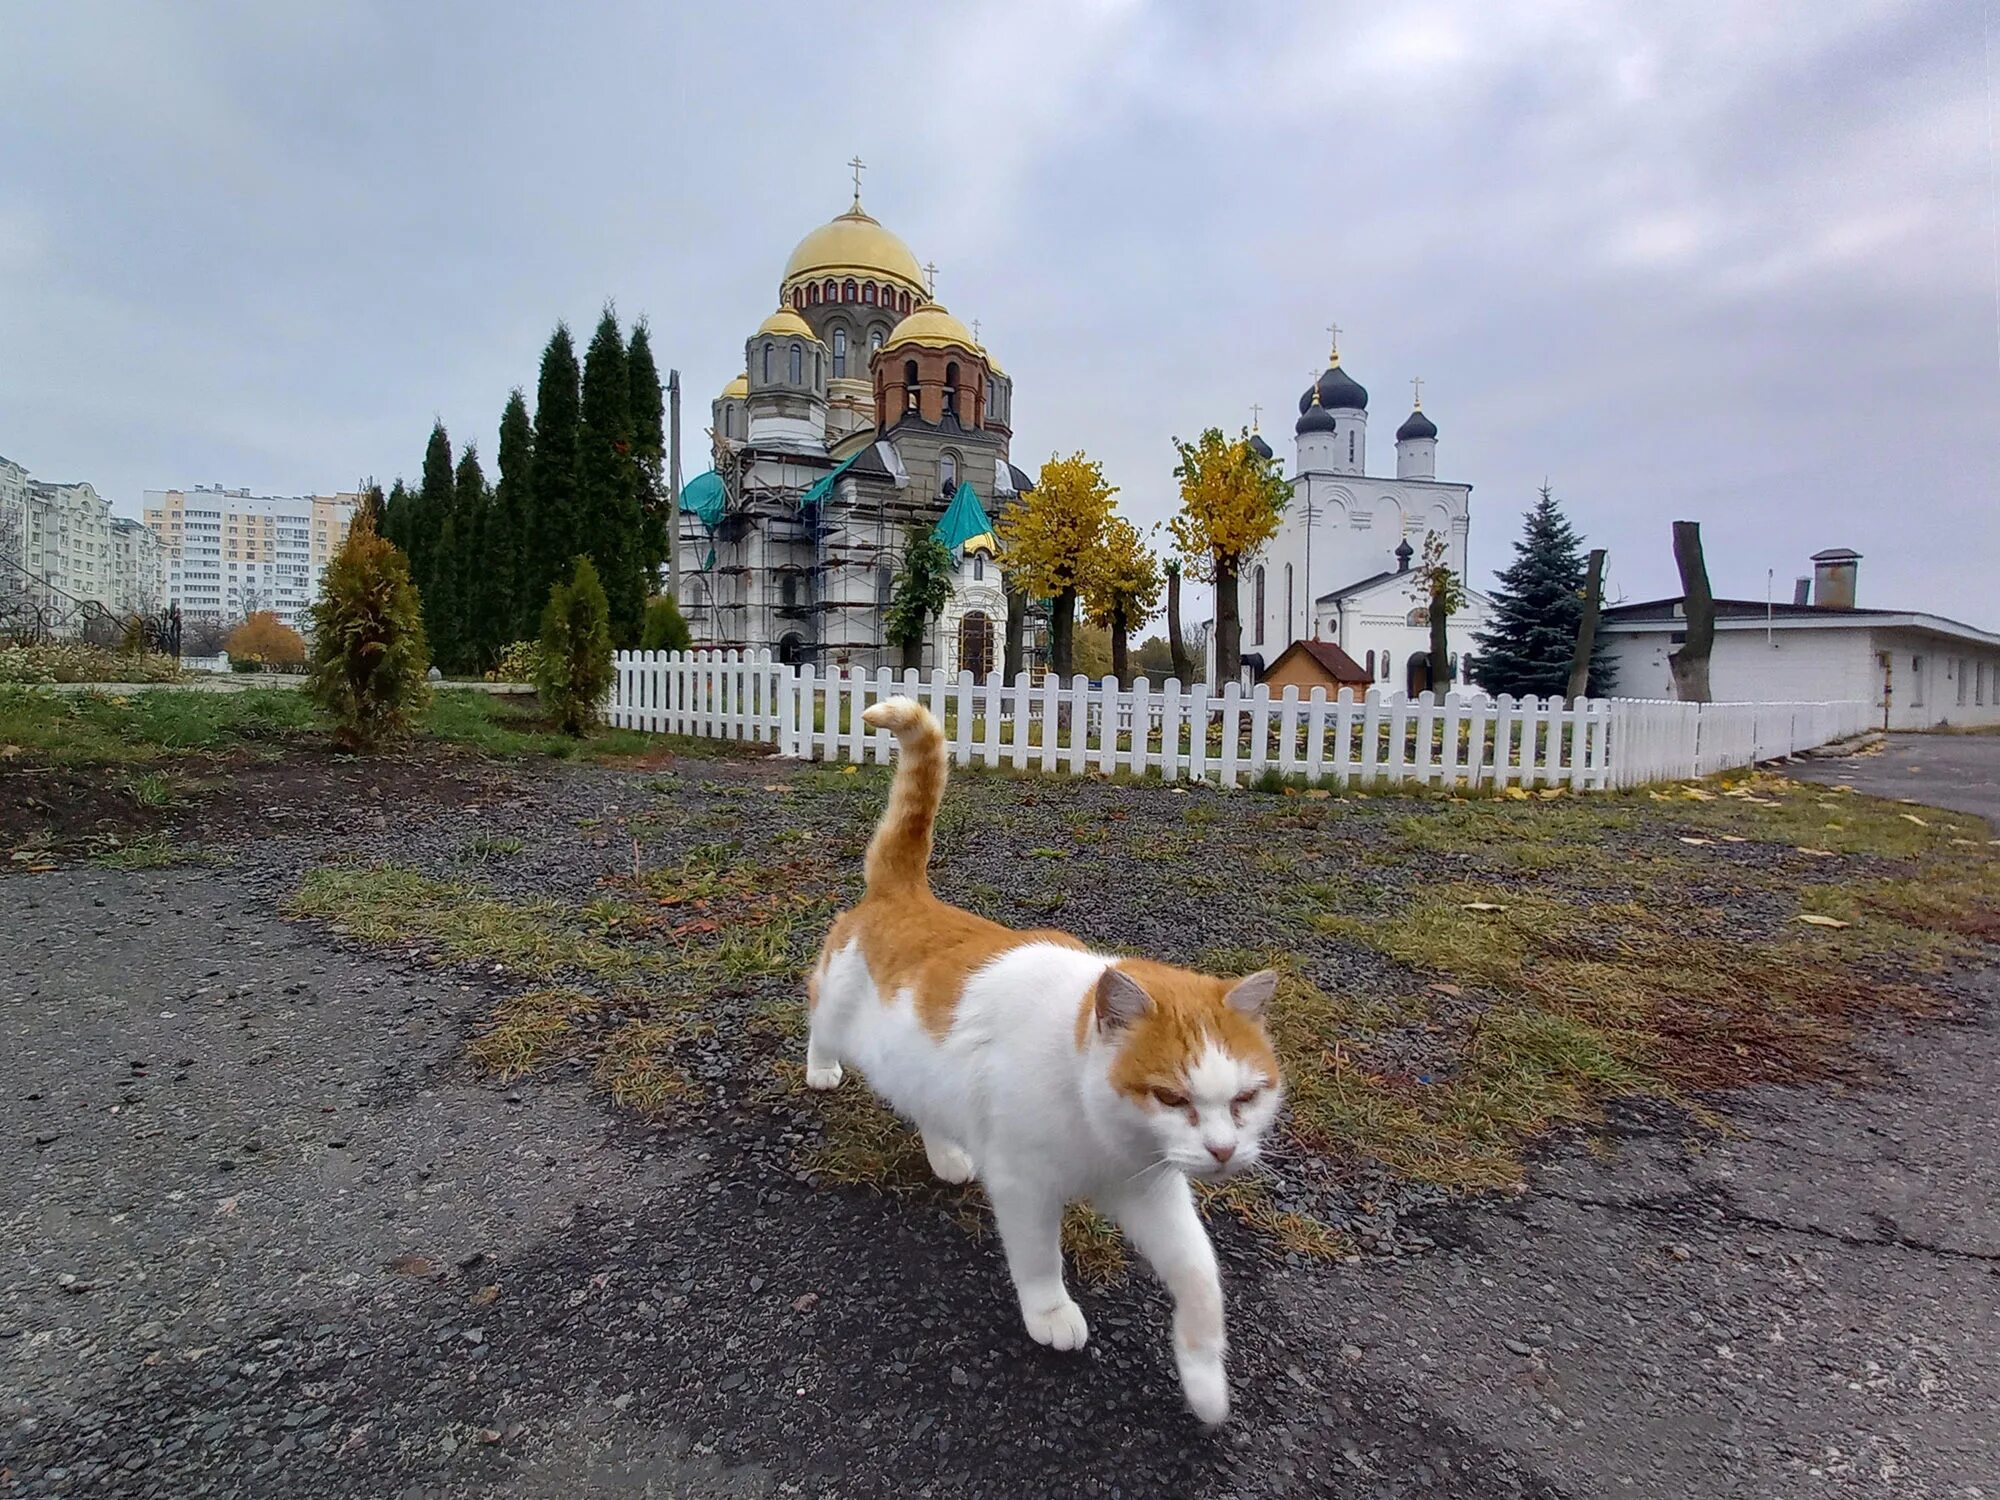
x: 229, y: 552
x: 62, y: 551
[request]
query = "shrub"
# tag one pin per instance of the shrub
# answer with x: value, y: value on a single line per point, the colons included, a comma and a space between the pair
x: 72, y: 661
x: 266, y: 640
x: 246, y: 663
x: 664, y: 629
x: 574, y: 672
x: 368, y: 650
x: 519, y: 662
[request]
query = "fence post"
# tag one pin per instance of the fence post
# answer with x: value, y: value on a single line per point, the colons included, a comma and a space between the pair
x: 1232, y: 709
x: 1198, y: 702
x: 1315, y: 735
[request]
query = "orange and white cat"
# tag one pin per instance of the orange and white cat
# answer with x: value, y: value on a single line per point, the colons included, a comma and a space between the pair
x: 1049, y: 1072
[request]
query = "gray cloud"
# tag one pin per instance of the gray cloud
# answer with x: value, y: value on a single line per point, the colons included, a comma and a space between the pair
x: 1732, y: 262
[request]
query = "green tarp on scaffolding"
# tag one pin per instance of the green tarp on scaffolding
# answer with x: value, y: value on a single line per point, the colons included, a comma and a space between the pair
x: 703, y: 496
x: 965, y: 524
x: 822, y: 487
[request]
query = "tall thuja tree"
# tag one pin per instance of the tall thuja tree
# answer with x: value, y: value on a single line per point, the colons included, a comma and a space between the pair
x: 478, y: 640
x: 608, y: 481
x: 507, y: 534
x: 649, y: 449
x: 394, y: 526
x: 553, y: 534
x: 434, y: 500
x: 1537, y: 606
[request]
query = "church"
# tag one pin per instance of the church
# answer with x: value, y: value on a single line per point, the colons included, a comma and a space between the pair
x: 1342, y: 568
x: 864, y: 409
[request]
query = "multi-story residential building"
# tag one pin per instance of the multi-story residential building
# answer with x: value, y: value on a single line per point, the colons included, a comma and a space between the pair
x: 62, y: 552
x: 229, y: 552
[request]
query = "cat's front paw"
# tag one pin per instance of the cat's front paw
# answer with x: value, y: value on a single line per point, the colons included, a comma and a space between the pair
x: 1206, y: 1385
x: 1060, y: 1327
x: 827, y: 1077
x: 949, y: 1163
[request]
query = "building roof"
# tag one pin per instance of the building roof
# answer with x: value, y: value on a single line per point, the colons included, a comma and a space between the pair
x: 1336, y: 663
x: 1416, y: 425
x: 1361, y: 584
x: 1337, y: 391
x: 932, y: 328
x: 1742, y: 614
x: 787, y: 324
x: 855, y: 243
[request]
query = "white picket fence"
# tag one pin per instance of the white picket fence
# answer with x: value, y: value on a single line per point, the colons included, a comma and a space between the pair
x: 1469, y: 739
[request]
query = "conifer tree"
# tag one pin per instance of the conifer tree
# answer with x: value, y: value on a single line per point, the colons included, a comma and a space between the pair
x: 368, y: 648
x: 649, y: 448
x: 434, y: 505
x: 444, y: 612
x: 554, y: 527
x: 608, y: 481
x: 394, y: 527
x: 573, y: 669
x: 1536, y: 608
x: 477, y: 641
x: 508, y: 546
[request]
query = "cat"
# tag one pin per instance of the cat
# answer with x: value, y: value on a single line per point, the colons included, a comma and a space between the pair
x: 1049, y: 1072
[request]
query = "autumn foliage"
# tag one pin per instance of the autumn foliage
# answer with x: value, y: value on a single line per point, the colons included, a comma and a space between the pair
x: 1121, y: 587
x: 267, y: 640
x: 1231, y: 499
x: 1049, y: 536
x: 369, y: 655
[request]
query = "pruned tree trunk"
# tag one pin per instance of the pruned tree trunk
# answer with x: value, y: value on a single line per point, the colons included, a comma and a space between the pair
x: 1062, y: 633
x: 913, y: 654
x: 1017, y: 629
x: 1586, y: 627
x: 1183, y: 664
x: 1228, y: 627
x: 1440, y: 651
x: 1118, y: 657
x: 1690, y: 663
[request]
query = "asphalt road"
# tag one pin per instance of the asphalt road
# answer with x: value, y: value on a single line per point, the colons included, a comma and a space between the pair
x: 265, y: 1234
x: 1956, y: 771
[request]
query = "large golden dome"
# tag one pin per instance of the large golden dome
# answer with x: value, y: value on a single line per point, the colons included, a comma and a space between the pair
x: 855, y: 245
x: 933, y: 328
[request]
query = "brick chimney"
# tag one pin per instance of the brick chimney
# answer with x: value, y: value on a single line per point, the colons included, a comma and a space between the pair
x: 1833, y: 577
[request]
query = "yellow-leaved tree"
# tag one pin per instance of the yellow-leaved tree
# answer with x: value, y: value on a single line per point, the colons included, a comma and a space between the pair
x: 1230, y: 503
x: 1121, y: 588
x: 1048, y: 536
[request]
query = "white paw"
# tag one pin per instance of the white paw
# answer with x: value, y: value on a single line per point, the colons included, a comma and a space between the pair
x: 827, y: 1077
x: 1060, y: 1327
x: 949, y: 1163
x: 1206, y: 1386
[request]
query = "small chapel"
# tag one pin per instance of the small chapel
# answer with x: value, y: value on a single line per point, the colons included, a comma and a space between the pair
x: 864, y: 409
x: 1340, y: 571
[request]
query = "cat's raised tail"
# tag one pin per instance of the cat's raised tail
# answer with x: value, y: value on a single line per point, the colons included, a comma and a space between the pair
x: 901, y: 847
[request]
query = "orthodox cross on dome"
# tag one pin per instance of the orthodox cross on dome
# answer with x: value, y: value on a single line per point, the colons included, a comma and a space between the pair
x: 858, y: 165
x: 1416, y: 393
x: 1256, y: 414
x: 930, y: 278
x: 975, y: 332
x: 1333, y: 344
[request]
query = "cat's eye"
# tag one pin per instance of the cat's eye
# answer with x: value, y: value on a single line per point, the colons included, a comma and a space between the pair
x: 1245, y: 1097
x: 1168, y: 1099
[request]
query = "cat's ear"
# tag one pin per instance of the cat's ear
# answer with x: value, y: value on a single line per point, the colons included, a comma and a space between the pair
x: 1120, y: 1000
x: 1252, y: 997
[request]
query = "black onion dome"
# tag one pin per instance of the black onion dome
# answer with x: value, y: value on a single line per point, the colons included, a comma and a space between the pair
x: 1416, y: 425
x: 1258, y: 446
x: 1338, y: 391
x: 1316, y: 419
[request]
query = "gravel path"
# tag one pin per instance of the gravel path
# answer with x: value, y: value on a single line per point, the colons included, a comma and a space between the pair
x: 266, y: 1233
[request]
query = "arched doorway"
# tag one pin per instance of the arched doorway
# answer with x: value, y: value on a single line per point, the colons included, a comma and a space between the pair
x: 1418, y: 672
x: 975, y: 643
x: 792, y: 648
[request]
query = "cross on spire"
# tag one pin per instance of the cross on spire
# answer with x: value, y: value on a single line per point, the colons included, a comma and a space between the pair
x: 930, y: 277
x: 1333, y: 335
x: 1256, y: 414
x: 1416, y: 393
x: 975, y: 332
x: 858, y: 165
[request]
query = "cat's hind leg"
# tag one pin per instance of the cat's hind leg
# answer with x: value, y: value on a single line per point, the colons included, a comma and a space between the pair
x: 949, y: 1162
x: 823, y: 1070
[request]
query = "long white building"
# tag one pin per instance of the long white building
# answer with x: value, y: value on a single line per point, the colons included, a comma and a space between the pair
x: 62, y: 552
x: 230, y: 553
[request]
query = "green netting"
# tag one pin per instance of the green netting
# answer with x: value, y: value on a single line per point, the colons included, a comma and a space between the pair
x: 964, y: 520
x: 822, y: 487
x: 703, y: 496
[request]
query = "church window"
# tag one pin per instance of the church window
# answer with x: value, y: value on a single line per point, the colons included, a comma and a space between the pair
x: 769, y: 350
x: 798, y: 371
x: 948, y: 473
x: 951, y: 389
x: 1369, y: 665
x: 1385, y: 666
x: 788, y: 590
x: 885, y: 584
x: 832, y: 290
x: 979, y: 567
x: 819, y: 378
x: 798, y: 297
x: 868, y: 293
x: 1350, y: 447
x: 874, y: 340
x: 840, y: 354
x: 1288, y: 599
x: 849, y: 292
x: 1257, y: 605
x: 812, y: 296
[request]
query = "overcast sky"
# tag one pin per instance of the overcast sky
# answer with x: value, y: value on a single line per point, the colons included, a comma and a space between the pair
x: 1738, y: 263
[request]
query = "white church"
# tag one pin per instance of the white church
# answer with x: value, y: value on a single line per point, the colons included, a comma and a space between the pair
x: 1341, y: 570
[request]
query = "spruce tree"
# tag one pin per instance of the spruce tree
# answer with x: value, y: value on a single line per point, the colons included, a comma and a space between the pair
x: 1536, y: 607
x: 608, y: 481
x: 472, y: 579
x: 649, y: 448
x: 554, y: 529
x: 507, y: 537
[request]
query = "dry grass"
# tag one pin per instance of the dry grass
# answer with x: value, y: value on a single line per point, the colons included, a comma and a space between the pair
x: 527, y: 1031
x: 640, y: 1068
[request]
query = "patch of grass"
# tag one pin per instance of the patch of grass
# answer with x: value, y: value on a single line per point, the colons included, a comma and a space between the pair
x: 155, y: 789
x: 1249, y: 1199
x: 92, y: 729
x: 507, y: 727
x: 1095, y: 1248
x: 153, y: 852
x: 457, y: 922
x: 489, y: 846
x: 639, y: 1064
x: 527, y: 1031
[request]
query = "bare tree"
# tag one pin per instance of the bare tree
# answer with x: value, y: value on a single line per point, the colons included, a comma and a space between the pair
x: 1690, y: 663
x: 1586, y: 628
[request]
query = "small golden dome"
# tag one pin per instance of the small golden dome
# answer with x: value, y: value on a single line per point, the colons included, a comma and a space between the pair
x: 787, y: 324
x: 855, y: 244
x: 737, y: 389
x: 933, y: 328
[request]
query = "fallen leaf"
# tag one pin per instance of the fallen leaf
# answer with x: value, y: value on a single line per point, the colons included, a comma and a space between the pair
x: 1483, y: 906
x: 410, y: 1265
x: 1550, y: 791
x: 1816, y: 920
x: 1734, y: 838
x: 1515, y: 793
x: 1318, y: 794
x: 849, y: 770
x: 1696, y: 794
x: 486, y: 1295
x: 1821, y: 853
x: 1687, y: 839
x: 1448, y: 989
x: 1913, y: 818
x: 805, y: 1303
x: 40, y: 869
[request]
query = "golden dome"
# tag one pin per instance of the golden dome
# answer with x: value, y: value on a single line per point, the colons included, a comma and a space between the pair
x: 787, y: 324
x: 737, y: 389
x: 933, y: 328
x: 855, y: 244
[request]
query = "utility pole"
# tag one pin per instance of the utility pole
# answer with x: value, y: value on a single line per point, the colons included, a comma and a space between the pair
x: 674, y: 487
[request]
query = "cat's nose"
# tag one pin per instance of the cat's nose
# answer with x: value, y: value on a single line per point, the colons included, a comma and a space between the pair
x: 1222, y: 1153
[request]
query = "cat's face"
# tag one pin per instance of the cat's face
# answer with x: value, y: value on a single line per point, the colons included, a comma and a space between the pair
x: 1194, y: 1071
